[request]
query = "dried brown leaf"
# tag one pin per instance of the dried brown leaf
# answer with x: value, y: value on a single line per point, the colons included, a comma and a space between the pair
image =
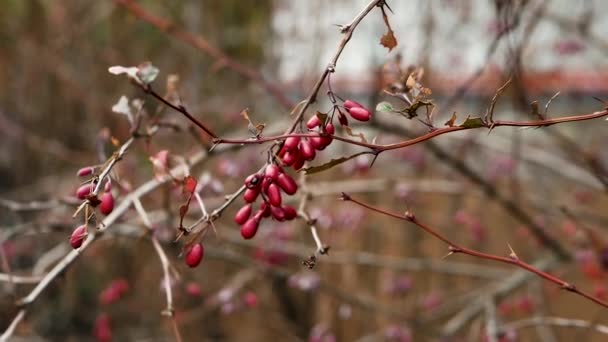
x: 388, y: 40
x: 452, y: 120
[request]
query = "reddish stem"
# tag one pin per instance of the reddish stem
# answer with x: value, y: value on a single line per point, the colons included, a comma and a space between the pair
x: 455, y: 248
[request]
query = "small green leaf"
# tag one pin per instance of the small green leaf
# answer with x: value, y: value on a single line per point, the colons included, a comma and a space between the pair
x: 385, y: 107
x: 473, y: 123
x: 331, y: 163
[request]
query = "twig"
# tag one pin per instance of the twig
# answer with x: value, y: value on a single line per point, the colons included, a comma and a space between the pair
x: 347, y: 30
x: 512, y: 259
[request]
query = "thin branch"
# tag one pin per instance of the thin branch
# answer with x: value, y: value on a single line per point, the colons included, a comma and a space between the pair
x: 455, y: 248
x: 347, y: 30
x: 422, y: 138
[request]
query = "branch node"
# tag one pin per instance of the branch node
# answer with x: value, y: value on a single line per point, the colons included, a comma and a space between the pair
x: 569, y: 287
x: 345, y: 197
x: 409, y: 215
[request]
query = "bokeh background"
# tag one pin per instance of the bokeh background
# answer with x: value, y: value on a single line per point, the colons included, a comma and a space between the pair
x: 383, y: 279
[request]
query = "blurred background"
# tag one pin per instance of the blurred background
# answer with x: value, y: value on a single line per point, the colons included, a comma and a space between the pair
x: 383, y: 280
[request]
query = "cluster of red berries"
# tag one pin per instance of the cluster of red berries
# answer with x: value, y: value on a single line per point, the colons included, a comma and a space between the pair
x: 270, y: 183
x: 105, y: 203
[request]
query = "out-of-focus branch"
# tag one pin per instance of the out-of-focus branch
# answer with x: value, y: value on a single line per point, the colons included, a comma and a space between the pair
x: 202, y: 44
x: 558, y: 322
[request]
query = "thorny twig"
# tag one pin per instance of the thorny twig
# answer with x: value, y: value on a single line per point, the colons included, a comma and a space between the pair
x: 454, y: 248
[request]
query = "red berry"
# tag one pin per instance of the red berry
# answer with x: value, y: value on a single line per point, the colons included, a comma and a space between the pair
x: 250, y: 227
x: 264, y: 210
x: 287, y: 183
x: 84, y: 191
x: 277, y: 213
x: 273, y: 171
x: 103, y: 331
x: 85, y: 171
x: 290, y: 157
x: 250, y: 299
x: 243, y: 214
x: 299, y: 163
x: 313, y: 122
x: 253, y: 181
x: 194, y: 255
x: 193, y: 289
x: 251, y: 194
x: 274, y: 195
x: 107, y: 203
x: 109, y: 295
x: 360, y: 114
x: 290, y: 213
x: 306, y: 150
x: 78, y: 236
x: 329, y: 128
x: 349, y: 104
x: 291, y: 143
x: 266, y: 183
x: 317, y: 142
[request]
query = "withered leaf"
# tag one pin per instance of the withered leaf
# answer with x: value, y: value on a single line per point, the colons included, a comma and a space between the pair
x: 331, y: 163
x: 473, y: 122
x: 452, y: 120
x: 388, y: 40
x: 350, y: 132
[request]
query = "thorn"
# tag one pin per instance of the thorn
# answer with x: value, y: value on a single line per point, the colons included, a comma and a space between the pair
x: 512, y: 255
x: 345, y: 197
x: 447, y: 255
x: 376, y: 154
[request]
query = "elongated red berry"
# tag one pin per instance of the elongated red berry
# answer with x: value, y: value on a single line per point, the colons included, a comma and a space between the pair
x: 318, y: 143
x: 299, y: 163
x: 251, y: 194
x: 266, y: 183
x: 306, y: 150
x: 290, y: 157
x: 327, y: 140
x: 84, y: 191
x: 313, y: 122
x: 349, y: 104
x: 264, y: 210
x: 107, y: 203
x: 250, y: 227
x: 85, y: 171
x: 291, y: 142
x: 290, y: 213
x: 360, y: 114
x: 287, y: 183
x: 273, y: 171
x: 253, y: 181
x: 277, y: 213
x: 274, y: 195
x: 194, y: 255
x: 78, y: 236
x: 243, y: 214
